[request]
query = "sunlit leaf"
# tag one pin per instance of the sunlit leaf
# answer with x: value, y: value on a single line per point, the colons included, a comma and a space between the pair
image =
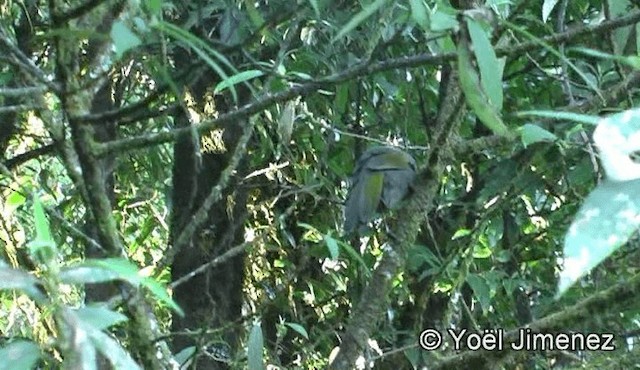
x: 606, y: 221
x: 617, y: 138
x: 43, y: 247
x: 14, y: 200
x: 547, y: 8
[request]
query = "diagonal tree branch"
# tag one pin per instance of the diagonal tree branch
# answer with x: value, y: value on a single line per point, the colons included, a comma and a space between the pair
x: 200, y: 216
x: 359, y: 70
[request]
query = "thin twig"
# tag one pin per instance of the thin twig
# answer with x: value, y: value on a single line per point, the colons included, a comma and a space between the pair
x: 234, y: 251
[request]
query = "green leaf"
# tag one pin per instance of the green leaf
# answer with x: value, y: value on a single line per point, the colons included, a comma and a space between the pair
x: 99, y: 317
x: 11, y: 278
x: 316, y: 8
x: 82, y: 274
x: 480, y: 289
x: 123, y: 38
x: 160, y: 292
x: 201, y: 48
x: 255, y: 347
x: 606, y: 221
x: 460, y: 233
x: 19, y: 355
x: 332, y: 246
x: 619, y: 36
x: 298, y: 328
x: 127, y: 271
x: 632, y: 61
x: 488, y: 64
x: 113, y: 351
x: 237, y: 78
x: 547, y: 8
x: 531, y: 133
x: 443, y: 20
x: 124, y: 269
x: 154, y: 6
x: 481, y: 251
x: 419, y: 14
x: 475, y: 97
x: 185, y: 355
x: 255, y: 17
x: 342, y: 96
x: 42, y: 248
x: 14, y: 200
x: 43, y: 232
x: 569, y: 116
x: 359, y: 18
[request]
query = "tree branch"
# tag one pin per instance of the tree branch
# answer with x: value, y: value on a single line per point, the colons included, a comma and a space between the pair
x: 587, y: 309
x: 359, y: 70
x: 200, y: 216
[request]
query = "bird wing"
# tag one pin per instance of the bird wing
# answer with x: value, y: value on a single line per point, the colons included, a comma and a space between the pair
x: 363, y: 200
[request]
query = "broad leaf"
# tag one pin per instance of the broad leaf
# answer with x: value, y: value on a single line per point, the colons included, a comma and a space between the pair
x: 606, y: 220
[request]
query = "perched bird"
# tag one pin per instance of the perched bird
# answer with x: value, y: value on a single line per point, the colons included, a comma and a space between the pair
x: 383, y: 175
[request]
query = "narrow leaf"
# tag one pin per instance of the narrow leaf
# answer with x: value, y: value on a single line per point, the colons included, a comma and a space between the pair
x: 488, y: 64
x: 359, y: 18
x: 237, y: 78
x: 298, y: 328
x: 530, y: 134
x: 569, y: 116
x: 475, y: 97
x: 255, y: 348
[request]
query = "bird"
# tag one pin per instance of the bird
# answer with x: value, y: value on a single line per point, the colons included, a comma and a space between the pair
x: 382, y: 177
